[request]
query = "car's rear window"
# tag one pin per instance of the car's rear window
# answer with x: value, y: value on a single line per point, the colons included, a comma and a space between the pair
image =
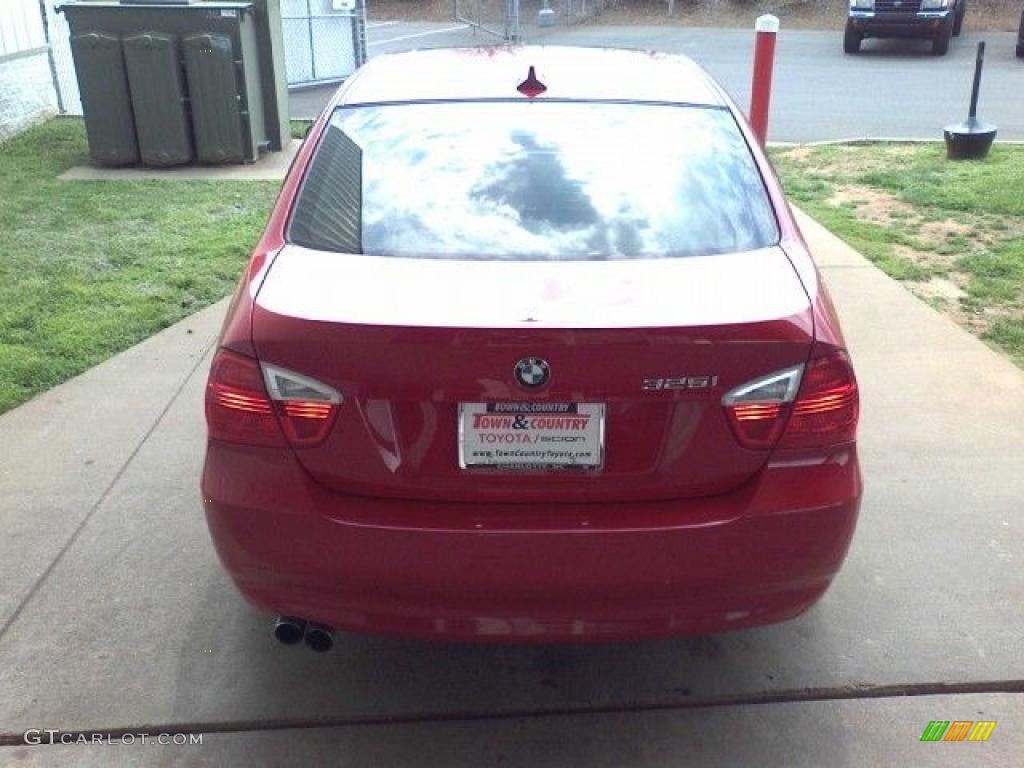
x: 533, y: 180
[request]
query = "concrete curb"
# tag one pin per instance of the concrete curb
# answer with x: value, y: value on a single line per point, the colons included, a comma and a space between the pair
x: 270, y: 167
x: 868, y: 140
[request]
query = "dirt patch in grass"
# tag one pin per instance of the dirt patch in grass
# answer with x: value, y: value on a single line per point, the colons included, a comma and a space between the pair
x: 940, y: 288
x: 946, y: 296
x: 952, y: 231
x: 929, y: 243
x: 949, y: 229
x: 933, y: 262
x: 872, y: 204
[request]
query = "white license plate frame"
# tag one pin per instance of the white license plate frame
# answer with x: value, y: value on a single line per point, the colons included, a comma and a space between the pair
x: 531, y: 436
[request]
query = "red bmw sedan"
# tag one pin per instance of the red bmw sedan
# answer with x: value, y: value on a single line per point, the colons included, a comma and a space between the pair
x: 531, y: 350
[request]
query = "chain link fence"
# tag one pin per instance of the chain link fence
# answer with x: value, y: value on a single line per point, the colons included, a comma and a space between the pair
x: 324, y: 40
x: 525, y: 20
x: 538, y: 15
x: 494, y: 17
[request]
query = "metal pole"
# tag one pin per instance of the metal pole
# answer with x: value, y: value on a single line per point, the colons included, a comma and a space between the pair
x: 363, y: 55
x: 358, y: 22
x: 49, y: 56
x: 312, y: 50
x: 766, y: 28
x: 512, y: 21
x: 973, y: 114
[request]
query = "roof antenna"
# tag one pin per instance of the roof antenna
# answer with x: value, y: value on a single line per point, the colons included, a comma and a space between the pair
x: 531, y: 86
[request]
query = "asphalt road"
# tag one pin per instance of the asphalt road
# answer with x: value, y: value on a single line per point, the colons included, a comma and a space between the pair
x: 893, y: 89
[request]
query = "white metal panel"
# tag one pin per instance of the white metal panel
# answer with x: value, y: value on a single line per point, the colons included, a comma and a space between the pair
x: 21, y: 26
x: 319, y: 43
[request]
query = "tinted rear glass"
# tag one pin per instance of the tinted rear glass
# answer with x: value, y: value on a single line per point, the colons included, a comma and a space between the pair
x: 540, y: 180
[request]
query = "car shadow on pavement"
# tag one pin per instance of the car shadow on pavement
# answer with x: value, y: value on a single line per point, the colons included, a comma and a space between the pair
x: 231, y: 670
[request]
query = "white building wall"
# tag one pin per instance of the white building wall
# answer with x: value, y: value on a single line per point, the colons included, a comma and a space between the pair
x: 27, y: 95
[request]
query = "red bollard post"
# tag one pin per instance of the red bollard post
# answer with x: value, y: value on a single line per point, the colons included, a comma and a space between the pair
x: 766, y: 28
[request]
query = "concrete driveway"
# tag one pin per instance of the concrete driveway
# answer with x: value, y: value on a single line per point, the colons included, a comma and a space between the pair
x: 116, y: 617
x: 895, y: 88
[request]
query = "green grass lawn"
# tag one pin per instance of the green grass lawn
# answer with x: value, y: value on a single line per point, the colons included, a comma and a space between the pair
x: 953, y: 231
x: 89, y: 268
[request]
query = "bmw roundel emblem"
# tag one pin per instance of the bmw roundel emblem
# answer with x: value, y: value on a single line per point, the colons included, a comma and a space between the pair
x: 532, y: 372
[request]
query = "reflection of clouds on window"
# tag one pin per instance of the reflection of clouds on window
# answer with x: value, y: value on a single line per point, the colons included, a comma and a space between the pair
x: 534, y: 184
x: 555, y: 180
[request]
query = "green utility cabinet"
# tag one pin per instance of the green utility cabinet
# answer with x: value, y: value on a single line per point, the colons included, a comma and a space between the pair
x: 171, y: 82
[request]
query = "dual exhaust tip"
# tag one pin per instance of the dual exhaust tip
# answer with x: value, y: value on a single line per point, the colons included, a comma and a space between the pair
x: 291, y: 631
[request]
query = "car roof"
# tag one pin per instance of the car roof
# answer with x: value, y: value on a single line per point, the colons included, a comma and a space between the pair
x: 569, y: 73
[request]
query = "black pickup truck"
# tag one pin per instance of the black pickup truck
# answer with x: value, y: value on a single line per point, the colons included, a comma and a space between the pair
x: 935, y: 20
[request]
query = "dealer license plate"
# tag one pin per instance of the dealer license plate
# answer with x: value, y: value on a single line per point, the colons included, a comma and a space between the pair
x: 531, y: 435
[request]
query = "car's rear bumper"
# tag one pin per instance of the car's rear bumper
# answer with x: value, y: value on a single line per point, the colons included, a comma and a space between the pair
x: 923, y: 25
x: 515, y: 572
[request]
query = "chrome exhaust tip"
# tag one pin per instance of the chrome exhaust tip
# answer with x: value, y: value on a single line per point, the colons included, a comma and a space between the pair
x: 288, y: 630
x: 319, y: 637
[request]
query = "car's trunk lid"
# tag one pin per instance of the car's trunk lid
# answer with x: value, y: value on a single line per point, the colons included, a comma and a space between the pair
x: 654, y: 341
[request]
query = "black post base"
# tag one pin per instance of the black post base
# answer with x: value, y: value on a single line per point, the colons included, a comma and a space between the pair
x: 969, y: 140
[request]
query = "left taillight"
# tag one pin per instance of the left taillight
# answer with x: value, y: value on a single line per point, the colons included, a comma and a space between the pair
x: 305, y: 407
x: 255, y: 404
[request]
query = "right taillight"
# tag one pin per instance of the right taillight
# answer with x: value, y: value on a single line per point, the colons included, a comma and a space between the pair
x: 827, y: 407
x: 255, y: 404
x: 757, y: 410
x: 806, y: 406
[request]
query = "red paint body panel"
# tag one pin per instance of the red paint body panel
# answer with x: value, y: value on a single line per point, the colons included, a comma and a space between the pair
x: 681, y: 532
x: 396, y: 434
x: 537, y: 572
